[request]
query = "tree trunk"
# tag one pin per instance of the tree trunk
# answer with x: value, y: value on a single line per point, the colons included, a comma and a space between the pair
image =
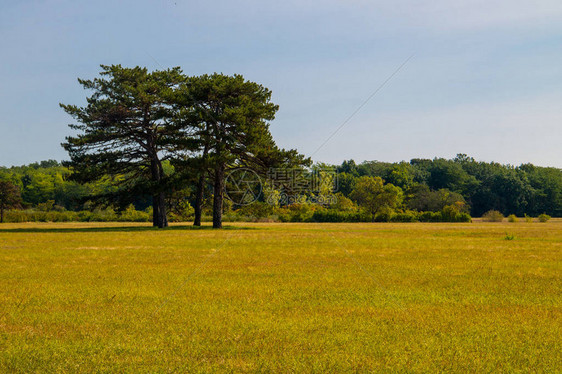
x: 218, y: 192
x: 155, y: 213
x: 200, y: 188
x: 199, y: 200
x: 159, y: 217
x: 1, y: 213
x: 163, y: 218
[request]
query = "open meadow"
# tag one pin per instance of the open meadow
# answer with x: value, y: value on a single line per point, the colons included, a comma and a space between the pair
x: 270, y: 297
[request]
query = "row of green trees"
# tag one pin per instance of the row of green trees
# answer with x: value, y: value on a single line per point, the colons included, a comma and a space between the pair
x: 363, y: 191
x: 431, y: 184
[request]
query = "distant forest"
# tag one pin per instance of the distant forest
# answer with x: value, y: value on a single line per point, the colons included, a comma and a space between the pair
x: 425, y: 185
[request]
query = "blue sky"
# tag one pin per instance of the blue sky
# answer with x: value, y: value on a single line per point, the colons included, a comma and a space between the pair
x: 485, y: 77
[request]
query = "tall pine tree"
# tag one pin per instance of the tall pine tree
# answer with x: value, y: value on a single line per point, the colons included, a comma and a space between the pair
x: 124, y: 132
x: 228, y: 118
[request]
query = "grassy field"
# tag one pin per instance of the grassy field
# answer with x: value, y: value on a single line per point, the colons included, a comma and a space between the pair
x: 281, y: 298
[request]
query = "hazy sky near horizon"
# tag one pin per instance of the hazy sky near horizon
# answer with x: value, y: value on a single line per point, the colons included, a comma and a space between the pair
x: 485, y: 78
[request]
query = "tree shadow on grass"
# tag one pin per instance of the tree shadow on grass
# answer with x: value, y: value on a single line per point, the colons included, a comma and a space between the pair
x: 117, y: 229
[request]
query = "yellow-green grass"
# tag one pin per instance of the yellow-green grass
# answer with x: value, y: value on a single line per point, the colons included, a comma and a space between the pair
x: 419, y: 297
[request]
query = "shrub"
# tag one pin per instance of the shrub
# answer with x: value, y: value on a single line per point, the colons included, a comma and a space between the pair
x: 46, y: 206
x: 16, y: 216
x: 430, y: 217
x: 84, y: 216
x: 509, y: 236
x: 105, y: 215
x: 528, y: 219
x: 132, y: 215
x: 453, y: 213
x: 258, y: 212
x: 255, y: 210
x: 544, y: 217
x: 179, y: 211
x: 446, y: 215
x: 492, y: 216
x: 463, y: 217
x: 334, y: 215
x: 512, y: 218
x: 408, y: 216
x: 298, y: 212
x: 329, y: 215
x: 383, y: 217
x: 64, y: 216
x: 449, y: 213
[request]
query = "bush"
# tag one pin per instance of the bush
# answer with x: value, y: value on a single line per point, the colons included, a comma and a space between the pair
x: 298, y: 212
x: 463, y: 217
x: 15, y: 216
x: 334, y: 215
x: 446, y: 215
x: 383, y: 217
x: 255, y: 211
x: 18, y: 216
x: 64, y: 216
x: 46, y: 206
x: 544, y: 217
x: 179, y: 211
x: 132, y: 215
x: 106, y: 215
x: 450, y: 213
x: 172, y: 217
x: 528, y: 219
x: 430, y: 217
x: 492, y: 216
x: 84, y: 216
x: 409, y: 216
x: 509, y: 236
x: 512, y: 218
x: 329, y: 215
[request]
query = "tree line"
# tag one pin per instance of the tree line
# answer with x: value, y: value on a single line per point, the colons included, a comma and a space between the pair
x: 165, y: 141
x: 482, y: 186
x: 418, y: 185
